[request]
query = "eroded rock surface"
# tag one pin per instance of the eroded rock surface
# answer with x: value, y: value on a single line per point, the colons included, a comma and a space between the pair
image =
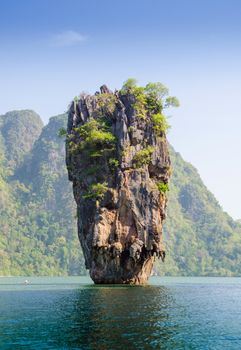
x: 118, y: 185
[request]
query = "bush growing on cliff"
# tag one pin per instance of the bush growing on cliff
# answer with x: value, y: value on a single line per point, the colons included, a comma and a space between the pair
x: 96, y: 191
x: 156, y: 89
x: 152, y: 98
x: 143, y: 157
x: 163, y: 187
x: 96, y: 137
x: 140, y: 104
x: 113, y: 163
x: 106, y: 102
x: 128, y: 86
x: 171, y: 101
x: 160, y: 124
x: 158, y: 99
x: 155, y: 92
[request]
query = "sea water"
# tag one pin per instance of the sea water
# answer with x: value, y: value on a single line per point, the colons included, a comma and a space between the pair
x: 73, y: 313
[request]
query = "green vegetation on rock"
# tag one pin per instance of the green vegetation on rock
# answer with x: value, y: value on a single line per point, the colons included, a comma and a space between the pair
x: 160, y: 124
x: 96, y: 138
x: 152, y: 98
x: 96, y: 191
x: 107, y: 103
x: 96, y: 145
x: 143, y: 157
x: 162, y: 187
x: 114, y: 163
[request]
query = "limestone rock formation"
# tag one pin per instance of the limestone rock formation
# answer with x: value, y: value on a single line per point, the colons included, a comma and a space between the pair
x: 117, y: 158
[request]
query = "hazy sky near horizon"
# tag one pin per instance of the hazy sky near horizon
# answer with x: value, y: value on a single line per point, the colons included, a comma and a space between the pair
x: 50, y: 51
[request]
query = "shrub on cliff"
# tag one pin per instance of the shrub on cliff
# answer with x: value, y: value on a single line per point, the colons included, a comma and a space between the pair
x: 152, y: 98
x: 163, y: 187
x: 96, y: 137
x: 143, y: 157
x: 96, y: 191
x: 106, y: 103
x: 160, y: 124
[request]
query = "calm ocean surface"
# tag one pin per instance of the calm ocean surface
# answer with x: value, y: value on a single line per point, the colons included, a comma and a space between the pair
x: 72, y: 313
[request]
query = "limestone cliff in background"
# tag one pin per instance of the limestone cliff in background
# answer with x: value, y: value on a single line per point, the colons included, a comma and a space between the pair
x: 117, y: 158
x: 19, y: 130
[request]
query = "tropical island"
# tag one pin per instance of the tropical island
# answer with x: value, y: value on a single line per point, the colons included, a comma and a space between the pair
x: 117, y: 158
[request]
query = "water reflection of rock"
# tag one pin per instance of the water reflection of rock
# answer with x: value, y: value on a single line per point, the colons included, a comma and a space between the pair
x: 120, y: 318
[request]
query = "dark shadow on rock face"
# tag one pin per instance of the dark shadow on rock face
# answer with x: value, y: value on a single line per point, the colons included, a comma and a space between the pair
x: 118, y: 318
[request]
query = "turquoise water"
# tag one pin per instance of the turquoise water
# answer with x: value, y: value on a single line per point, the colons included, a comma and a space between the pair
x: 72, y: 313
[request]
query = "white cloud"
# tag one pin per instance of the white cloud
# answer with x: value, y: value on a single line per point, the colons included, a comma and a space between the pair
x: 67, y: 38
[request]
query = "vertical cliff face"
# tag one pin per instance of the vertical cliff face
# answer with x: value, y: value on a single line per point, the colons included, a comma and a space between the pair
x: 117, y: 158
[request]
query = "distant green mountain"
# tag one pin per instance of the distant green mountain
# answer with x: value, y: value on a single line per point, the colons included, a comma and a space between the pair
x: 38, y: 234
x: 201, y: 239
x: 19, y: 130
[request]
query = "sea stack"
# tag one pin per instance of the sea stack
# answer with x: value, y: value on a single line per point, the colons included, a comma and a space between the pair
x: 118, y: 161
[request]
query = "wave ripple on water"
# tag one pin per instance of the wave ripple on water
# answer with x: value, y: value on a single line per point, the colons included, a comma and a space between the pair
x: 71, y: 313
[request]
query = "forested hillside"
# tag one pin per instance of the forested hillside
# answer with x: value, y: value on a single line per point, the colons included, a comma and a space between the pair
x: 201, y: 239
x: 38, y: 228
x: 38, y: 234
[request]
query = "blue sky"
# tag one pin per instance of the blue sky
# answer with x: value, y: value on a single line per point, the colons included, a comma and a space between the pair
x: 52, y: 50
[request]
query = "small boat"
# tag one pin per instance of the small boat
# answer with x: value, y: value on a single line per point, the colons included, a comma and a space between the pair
x: 26, y: 282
